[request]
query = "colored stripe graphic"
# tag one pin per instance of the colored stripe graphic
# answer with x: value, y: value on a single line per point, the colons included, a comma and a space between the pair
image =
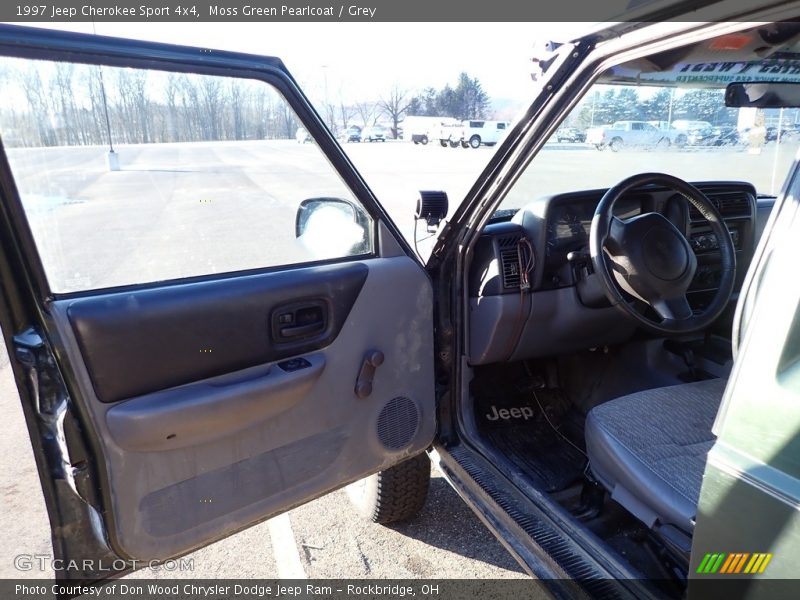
x: 740, y: 564
x: 727, y: 564
x: 734, y: 561
x: 737, y: 562
x: 703, y: 563
x: 717, y: 563
x: 753, y: 562
x: 767, y: 558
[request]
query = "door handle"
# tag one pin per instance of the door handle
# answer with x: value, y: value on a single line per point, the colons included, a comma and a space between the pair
x: 301, y: 330
x: 299, y: 320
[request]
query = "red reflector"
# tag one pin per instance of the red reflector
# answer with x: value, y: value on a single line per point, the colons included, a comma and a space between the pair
x: 734, y: 41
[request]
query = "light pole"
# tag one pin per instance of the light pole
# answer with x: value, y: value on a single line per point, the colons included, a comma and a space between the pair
x: 112, y: 159
x: 594, y: 103
x: 671, y: 99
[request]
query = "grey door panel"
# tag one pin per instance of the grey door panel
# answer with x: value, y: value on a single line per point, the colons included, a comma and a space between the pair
x: 251, y: 441
x: 149, y: 340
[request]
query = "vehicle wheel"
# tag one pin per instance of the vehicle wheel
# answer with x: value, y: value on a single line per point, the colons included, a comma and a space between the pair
x: 616, y: 144
x: 424, y: 140
x: 600, y: 147
x: 416, y: 142
x: 475, y: 141
x: 443, y: 143
x: 454, y: 144
x: 681, y: 140
x: 395, y: 494
x: 464, y: 144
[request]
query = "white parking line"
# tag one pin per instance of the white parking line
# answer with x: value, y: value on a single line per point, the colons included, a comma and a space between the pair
x: 284, y: 548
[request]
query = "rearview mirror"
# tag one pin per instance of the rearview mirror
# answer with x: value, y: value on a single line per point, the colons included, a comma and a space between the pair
x: 332, y: 227
x: 765, y: 94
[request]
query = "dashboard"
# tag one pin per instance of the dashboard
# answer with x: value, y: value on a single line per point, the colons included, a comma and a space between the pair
x: 564, y: 308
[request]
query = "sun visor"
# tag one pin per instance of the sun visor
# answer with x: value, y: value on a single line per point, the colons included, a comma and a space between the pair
x: 760, y: 54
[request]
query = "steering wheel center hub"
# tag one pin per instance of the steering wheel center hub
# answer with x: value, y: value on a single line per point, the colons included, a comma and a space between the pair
x: 664, y: 253
x: 648, y: 259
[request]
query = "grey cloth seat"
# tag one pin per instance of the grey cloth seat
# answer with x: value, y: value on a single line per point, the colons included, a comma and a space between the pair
x: 649, y: 449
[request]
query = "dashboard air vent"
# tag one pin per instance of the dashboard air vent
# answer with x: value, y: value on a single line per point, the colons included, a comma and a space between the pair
x: 732, y: 203
x: 510, y: 262
x: 508, y: 241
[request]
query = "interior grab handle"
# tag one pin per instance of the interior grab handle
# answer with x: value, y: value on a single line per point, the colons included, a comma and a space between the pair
x: 372, y: 360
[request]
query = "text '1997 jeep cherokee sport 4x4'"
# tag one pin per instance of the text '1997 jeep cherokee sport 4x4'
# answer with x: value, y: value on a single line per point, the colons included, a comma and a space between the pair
x: 604, y: 361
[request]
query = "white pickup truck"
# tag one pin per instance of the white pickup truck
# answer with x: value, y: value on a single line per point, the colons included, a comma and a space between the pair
x: 626, y: 134
x: 478, y: 132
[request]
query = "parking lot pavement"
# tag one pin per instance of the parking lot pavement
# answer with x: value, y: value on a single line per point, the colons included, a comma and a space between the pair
x: 324, y: 538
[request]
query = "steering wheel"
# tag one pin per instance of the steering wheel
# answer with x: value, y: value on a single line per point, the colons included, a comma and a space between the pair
x: 647, y: 257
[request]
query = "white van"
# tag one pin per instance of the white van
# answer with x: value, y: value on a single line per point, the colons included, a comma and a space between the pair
x: 420, y: 129
x: 477, y: 132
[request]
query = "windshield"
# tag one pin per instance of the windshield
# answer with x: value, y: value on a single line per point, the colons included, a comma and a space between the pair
x: 666, y: 113
x: 688, y: 133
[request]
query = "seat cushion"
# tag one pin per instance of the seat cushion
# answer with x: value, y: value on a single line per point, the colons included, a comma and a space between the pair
x: 649, y: 449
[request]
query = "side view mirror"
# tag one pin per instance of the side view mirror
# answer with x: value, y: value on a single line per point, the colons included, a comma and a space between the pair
x: 332, y: 227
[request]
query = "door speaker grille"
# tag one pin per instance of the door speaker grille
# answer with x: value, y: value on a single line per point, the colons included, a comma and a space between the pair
x: 398, y: 423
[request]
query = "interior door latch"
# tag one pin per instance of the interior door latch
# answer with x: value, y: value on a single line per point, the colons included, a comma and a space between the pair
x: 372, y: 360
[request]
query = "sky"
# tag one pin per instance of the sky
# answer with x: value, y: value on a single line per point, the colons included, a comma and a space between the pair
x: 362, y: 61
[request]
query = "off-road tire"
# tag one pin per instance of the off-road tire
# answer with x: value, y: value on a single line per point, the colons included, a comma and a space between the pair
x: 616, y: 144
x: 475, y: 141
x: 396, y: 494
x: 424, y: 140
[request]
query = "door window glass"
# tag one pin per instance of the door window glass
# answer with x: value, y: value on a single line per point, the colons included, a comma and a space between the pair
x: 131, y: 176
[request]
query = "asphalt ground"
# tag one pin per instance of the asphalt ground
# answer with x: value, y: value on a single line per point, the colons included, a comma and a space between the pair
x: 178, y: 209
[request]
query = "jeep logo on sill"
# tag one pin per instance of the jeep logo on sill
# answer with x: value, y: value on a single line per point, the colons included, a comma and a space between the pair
x: 523, y: 412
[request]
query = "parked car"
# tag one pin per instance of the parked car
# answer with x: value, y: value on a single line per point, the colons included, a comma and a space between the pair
x: 352, y: 134
x: 786, y: 133
x: 714, y: 136
x: 687, y: 132
x: 607, y: 369
x: 375, y: 133
x: 627, y: 134
x: 570, y: 134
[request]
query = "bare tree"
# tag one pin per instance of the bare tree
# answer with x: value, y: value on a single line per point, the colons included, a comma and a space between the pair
x: 368, y: 111
x: 346, y: 113
x: 63, y: 105
x: 394, y: 105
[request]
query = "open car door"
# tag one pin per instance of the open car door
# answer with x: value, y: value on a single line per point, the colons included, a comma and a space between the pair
x: 748, y: 521
x: 210, y: 321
